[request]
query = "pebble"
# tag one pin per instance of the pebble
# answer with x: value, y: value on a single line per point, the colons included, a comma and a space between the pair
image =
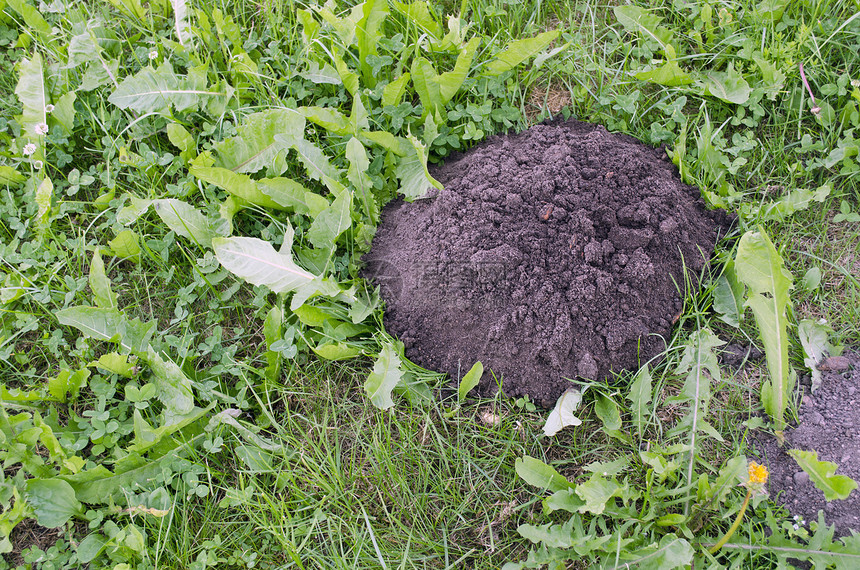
x: 801, y: 477
x: 815, y: 418
x: 835, y: 364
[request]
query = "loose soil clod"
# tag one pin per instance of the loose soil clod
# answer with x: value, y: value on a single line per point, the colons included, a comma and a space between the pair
x: 552, y: 254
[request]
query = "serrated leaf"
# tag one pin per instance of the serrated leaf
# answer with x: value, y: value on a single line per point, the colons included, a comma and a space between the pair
x: 815, y: 340
x: 97, y: 323
x: 67, y: 384
x: 239, y: 185
x: 31, y: 92
x: 53, y: 501
x: 421, y: 14
x: 641, y: 21
x: 174, y: 387
x: 385, y: 376
x: 562, y: 415
x: 639, y: 396
x: 795, y: 201
x: 115, y: 363
x: 669, y: 74
x: 729, y: 296
x: 537, y: 473
x: 257, y: 262
x: 100, y: 284
x: 336, y: 351
x: 761, y: 268
x: 470, y: 380
x: 291, y: 195
x: 607, y: 410
x: 451, y: 81
x: 44, y: 194
x: 180, y: 23
x: 415, y: 179
x: 256, y: 147
x: 10, y: 177
x: 368, y: 31
x: 185, y: 220
x: 519, y: 51
x: 317, y: 164
x: 392, y: 94
x: 328, y: 118
x: 331, y: 222
x: 126, y: 245
x: 160, y: 90
x: 733, y: 473
x: 822, y: 474
x: 596, y: 492
x: 565, y: 500
x: 550, y: 534
x: 730, y: 86
x: 671, y: 552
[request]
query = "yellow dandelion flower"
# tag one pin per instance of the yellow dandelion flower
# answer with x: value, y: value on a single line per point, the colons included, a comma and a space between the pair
x: 757, y: 473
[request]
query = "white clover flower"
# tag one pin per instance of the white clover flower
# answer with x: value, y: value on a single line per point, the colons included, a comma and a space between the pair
x: 795, y: 526
x: 29, y: 149
x: 38, y: 164
x: 153, y: 54
x: 855, y: 83
x: 49, y: 108
x: 41, y: 129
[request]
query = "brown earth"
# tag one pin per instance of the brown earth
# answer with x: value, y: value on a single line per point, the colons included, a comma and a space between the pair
x: 550, y: 255
x: 829, y: 423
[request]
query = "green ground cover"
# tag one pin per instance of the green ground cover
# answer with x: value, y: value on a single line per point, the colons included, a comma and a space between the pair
x: 170, y: 402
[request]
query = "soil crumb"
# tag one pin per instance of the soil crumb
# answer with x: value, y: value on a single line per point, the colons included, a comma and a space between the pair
x: 553, y: 254
x: 828, y: 423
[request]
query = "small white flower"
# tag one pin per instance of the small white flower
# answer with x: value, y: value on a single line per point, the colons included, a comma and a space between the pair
x: 795, y: 526
x: 153, y: 54
x: 855, y: 83
x: 37, y: 164
x: 41, y: 129
x: 49, y: 108
x: 29, y: 149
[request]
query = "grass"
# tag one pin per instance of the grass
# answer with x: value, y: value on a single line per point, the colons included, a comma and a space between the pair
x: 318, y: 477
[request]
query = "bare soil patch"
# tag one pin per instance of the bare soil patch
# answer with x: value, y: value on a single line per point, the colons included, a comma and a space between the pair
x: 550, y: 255
x: 829, y: 423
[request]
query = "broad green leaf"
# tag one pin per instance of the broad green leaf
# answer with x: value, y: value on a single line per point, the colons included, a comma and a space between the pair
x: 760, y: 267
x: 730, y: 86
x: 729, y: 296
x: 100, y: 284
x: 239, y: 185
x: 10, y: 177
x: 44, y: 194
x: 358, y: 177
x: 273, y: 331
x: 349, y: 78
x: 100, y: 485
x: 392, y: 94
x: 180, y: 22
x: 822, y: 474
x: 639, y: 396
x: 669, y: 74
x: 607, y: 410
x: 565, y: 500
x: 255, y: 147
x: 130, y: 8
x: 160, y: 90
x: 185, y: 220
x: 421, y: 14
x: 336, y: 351
x: 53, y: 501
x: 228, y: 417
x: 174, y: 387
x: 596, y: 492
x: 770, y: 11
x: 132, y: 211
x: 518, y: 51
x: 31, y: 16
x: 815, y: 340
x: 368, y: 31
x: 90, y: 547
x: 183, y: 140
x: 254, y: 458
x: 537, y: 473
x: 671, y: 552
x: 115, y: 363
x: 550, y: 535
x: 385, y: 376
x: 470, y: 380
x: 321, y: 75
x: 562, y: 415
x: 257, y: 262
x: 641, y: 21
x: 290, y: 195
x: 795, y: 201
x: 146, y: 437
x: 126, y: 245
x: 425, y: 80
x: 331, y: 222
x: 451, y: 81
x: 64, y: 111
x: 67, y: 384
x: 108, y: 325
x: 328, y: 118
x: 317, y: 164
x: 412, y: 171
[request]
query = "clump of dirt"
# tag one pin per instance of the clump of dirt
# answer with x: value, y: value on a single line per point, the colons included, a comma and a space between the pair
x: 829, y: 424
x: 552, y: 254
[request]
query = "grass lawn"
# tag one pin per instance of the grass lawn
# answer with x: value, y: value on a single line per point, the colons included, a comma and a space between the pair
x: 193, y: 374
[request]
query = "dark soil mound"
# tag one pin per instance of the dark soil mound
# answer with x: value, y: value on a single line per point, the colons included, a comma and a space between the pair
x: 552, y: 254
x: 829, y: 423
